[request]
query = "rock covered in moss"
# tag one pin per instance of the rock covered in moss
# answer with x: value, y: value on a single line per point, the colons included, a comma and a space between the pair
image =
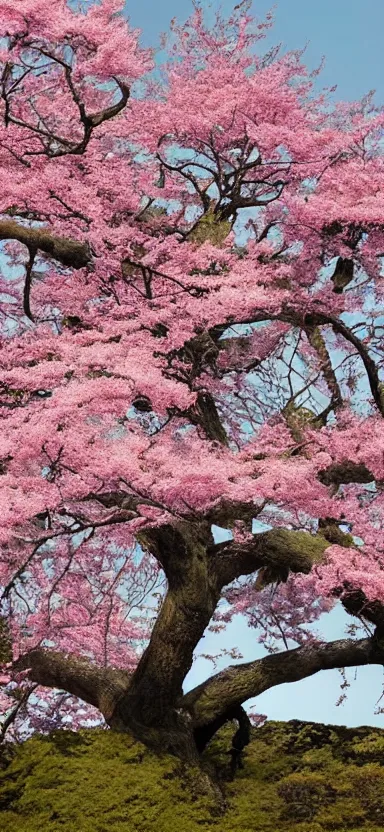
x: 297, y: 777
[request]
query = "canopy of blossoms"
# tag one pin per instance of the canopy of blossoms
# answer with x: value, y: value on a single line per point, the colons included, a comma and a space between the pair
x: 191, y: 326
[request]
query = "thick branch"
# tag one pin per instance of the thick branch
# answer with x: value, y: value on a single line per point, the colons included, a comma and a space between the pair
x: 236, y: 684
x: 227, y: 512
x: 98, y: 686
x: 28, y: 283
x: 279, y: 549
x: 223, y: 514
x: 195, y: 577
x: 205, y: 414
x: 68, y: 252
x: 104, y: 115
x: 342, y: 473
x: 355, y: 602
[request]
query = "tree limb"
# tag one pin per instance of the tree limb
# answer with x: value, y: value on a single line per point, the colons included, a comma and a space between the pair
x: 10, y: 718
x: 196, y: 575
x: 205, y: 414
x: 28, y: 283
x: 311, y: 320
x: 236, y: 684
x: 68, y: 252
x: 89, y: 121
x: 370, y: 366
x: 277, y: 548
x: 316, y: 340
x: 355, y: 602
x: 342, y: 473
x: 99, y: 686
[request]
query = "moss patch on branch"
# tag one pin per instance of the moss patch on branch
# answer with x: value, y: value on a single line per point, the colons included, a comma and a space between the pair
x: 297, y: 777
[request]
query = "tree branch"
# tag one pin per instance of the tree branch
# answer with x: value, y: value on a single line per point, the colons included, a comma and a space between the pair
x: 99, y: 686
x: 279, y: 549
x: 196, y: 575
x: 355, y: 602
x: 205, y: 414
x: 89, y: 121
x: 28, y: 283
x: 342, y: 473
x: 236, y: 684
x: 68, y: 252
x: 10, y: 719
x: 316, y: 340
x: 311, y: 320
x: 370, y: 366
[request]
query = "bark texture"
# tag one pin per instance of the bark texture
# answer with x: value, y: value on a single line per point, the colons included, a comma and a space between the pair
x: 68, y: 252
x: 150, y: 702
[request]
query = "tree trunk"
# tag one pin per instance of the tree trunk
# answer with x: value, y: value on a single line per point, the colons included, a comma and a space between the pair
x: 149, y: 703
x: 172, y: 734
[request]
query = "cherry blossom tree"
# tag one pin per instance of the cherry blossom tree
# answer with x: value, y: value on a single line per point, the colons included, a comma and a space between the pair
x: 191, y: 329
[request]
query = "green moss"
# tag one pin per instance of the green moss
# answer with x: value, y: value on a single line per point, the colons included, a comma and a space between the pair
x: 370, y: 749
x: 297, y: 777
x: 210, y: 228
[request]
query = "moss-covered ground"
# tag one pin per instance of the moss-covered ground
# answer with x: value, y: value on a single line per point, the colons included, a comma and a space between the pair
x: 302, y: 777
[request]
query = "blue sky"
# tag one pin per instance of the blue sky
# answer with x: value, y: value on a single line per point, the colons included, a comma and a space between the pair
x: 349, y: 34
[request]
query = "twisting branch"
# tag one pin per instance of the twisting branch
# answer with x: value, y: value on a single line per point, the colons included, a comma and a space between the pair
x: 185, y: 613
x: 370, y: 366
x: 183, y: 169
x: 236, y: 684
x: 53, y: 144
x: 100, y: 687
x: 205, y: 414
x: 316, y: 319
x: 66, y: 251
x: 355, y: 602
x: 317, y: 342
x: 196, y: 575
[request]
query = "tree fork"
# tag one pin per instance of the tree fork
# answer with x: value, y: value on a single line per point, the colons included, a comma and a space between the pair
x: 150, y: 702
